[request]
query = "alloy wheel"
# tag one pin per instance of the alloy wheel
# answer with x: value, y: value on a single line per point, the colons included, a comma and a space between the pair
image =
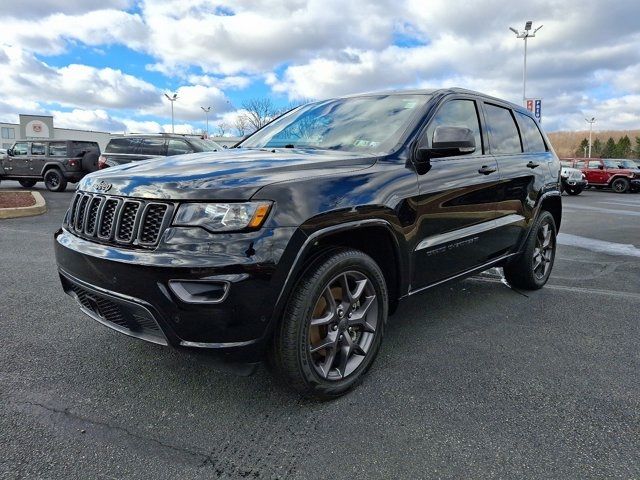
x: 343, y: 325
x: 543, y: 251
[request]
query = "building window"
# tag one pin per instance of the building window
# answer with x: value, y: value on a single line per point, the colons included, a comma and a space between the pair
x: 8, y: 132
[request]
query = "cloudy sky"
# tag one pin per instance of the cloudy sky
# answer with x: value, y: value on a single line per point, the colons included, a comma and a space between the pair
x: 104, y: 64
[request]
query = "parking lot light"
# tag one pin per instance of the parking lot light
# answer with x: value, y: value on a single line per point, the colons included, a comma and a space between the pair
x: 206, y: 117
x: 172, y: 99
x: 590, y: 122
x: 525, y: 35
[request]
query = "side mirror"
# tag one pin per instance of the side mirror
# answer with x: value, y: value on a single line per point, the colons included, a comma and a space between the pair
x: 10, y: 152
x: 601, y: 167
x: 448, y: 142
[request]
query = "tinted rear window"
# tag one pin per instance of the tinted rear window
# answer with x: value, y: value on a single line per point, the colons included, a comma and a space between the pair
x: 533, y: 141
x: 503, y: 132
x: 78, y: 149
x: 122, y: 145
x: 58, y: 149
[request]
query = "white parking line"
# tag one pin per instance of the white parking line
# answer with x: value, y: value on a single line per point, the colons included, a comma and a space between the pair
x: 602, y: 210
x: 601, y: 246
x: 576, y: 290
x: 623, y: 203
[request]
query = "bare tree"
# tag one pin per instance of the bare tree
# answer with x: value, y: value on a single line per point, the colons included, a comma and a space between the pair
x: 223, y: 128
x: 241, y: 124
x: 259, y: 112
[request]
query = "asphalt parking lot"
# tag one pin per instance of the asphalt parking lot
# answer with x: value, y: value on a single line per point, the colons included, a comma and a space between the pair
x: 474, y: 380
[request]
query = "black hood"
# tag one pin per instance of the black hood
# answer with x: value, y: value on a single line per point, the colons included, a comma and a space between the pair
x: 235, y: 174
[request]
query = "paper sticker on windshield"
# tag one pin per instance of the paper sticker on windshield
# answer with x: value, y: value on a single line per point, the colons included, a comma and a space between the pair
x: 409, y: 105
x: 362, y: 143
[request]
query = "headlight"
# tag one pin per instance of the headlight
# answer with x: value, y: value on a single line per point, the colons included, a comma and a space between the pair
x: 223, y: 217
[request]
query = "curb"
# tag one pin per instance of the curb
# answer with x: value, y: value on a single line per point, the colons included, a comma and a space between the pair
x: 38, y: 209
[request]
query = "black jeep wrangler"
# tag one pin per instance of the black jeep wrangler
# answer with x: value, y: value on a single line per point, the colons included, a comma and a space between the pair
x: 56, y: 162
x: 298, y: 243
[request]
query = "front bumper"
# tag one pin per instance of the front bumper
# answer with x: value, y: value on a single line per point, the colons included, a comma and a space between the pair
x: 131, y: 290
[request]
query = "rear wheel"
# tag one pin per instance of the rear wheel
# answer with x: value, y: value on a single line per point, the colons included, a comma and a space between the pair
x: 27, y: 183
x: 531, y: 270
x: 54, y: 181
x: 333, y: 325
x: 620, y: 185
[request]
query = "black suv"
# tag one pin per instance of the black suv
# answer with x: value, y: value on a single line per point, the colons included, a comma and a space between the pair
x: 298, y: 243
x: 130, y: 148
x: 56, y: 162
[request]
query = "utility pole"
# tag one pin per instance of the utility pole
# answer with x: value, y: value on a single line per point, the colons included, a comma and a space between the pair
x: 590, y: 122
x: 206, y: 117
x: 525, y: 34
x: 172, y: 99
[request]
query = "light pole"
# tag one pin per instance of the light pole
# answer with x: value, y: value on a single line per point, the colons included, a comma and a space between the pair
x: 172, y: 99
x: 590, y: 122
x: 525, y: 34
x: 206, y: 117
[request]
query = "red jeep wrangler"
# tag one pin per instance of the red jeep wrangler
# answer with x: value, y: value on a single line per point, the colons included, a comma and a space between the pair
x: 611, y: 173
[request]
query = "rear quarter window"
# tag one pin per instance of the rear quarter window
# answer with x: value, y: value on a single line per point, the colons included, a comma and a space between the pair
x: 122, y: 145
x: 57, y: 149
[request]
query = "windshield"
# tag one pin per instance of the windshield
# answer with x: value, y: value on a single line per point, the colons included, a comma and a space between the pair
x: 205, y: 145
x: 628, y: 164
x: 566, y: 164
x: 363, y: 124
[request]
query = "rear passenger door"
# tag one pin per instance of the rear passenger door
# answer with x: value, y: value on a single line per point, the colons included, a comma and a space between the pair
x: 523, y: 164
x: 456, y: 203
x: 38, y: 158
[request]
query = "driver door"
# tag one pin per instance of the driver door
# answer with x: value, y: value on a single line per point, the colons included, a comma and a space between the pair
x: 18, y: 162
x: 456, y: 204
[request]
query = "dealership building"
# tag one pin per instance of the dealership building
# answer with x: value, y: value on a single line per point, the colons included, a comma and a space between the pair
x: 41, y: 127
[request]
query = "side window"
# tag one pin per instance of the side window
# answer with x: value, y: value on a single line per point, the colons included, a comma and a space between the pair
x: 20, y: 149
x: 503, y: 132
x: 533, y: 141
x: 122, y: 145
x: 57, y: 149
x: 580, y: 165
x: 458, y: 113
x: 178, y: 147
x: 38, y: 149
x: 151, y: 146
x: 594, y: 163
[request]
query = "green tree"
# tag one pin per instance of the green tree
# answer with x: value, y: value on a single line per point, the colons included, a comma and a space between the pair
x: 610, y: 149
x: 596, y: 148
x: 636, y: 151
x: 623, y: 148
x: 580, y: 151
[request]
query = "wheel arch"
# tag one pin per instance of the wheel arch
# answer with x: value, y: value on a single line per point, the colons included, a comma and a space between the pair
x: 552, y: 203
x: 375, y: 237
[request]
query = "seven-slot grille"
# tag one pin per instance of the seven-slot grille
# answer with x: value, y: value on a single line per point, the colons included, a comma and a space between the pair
x: 118, y: 220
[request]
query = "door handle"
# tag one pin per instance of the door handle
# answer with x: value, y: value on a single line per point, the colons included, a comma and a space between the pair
x: 532, y: 164
x: 485, y: 170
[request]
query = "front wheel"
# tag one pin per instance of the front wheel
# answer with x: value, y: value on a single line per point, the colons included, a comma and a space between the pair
x: 532, y: 268
x: 333, y: 325
x: 54, y: 181
x: 620, y: 185
x: 27, y: 183
x: 574, y: 191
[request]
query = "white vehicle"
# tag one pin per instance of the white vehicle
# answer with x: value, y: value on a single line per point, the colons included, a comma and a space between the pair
x: 573, y: 180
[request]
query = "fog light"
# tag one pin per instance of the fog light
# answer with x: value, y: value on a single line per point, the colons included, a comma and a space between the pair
x: 200, y: 291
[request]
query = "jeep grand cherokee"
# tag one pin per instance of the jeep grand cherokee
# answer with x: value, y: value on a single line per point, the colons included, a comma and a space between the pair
x: 298, y: 244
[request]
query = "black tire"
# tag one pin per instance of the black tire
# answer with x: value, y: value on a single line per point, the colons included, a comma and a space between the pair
x: 524, y: 272
x: 292, y: 355
x: 620, y: 185
x: 27, y: 183
x: 54, y: 181
x: 574, y: 190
